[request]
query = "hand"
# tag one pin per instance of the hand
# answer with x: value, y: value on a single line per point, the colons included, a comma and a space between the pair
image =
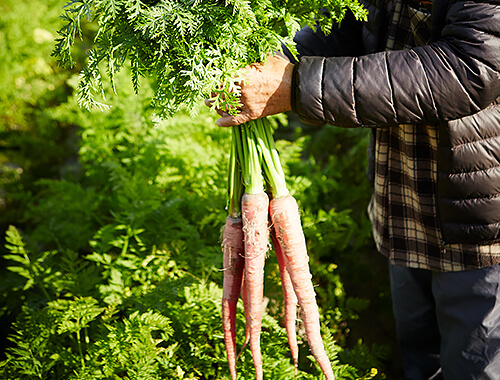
x: 265, y: 90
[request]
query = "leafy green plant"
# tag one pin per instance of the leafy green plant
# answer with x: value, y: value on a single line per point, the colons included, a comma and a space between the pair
x: 192, y: 49
x: 160, y: 257
x: 31, y: 267
x: 167, y: 325
x: 120, y: 216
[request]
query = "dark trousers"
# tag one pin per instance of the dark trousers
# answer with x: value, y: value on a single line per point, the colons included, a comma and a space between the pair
x: 448, y: 324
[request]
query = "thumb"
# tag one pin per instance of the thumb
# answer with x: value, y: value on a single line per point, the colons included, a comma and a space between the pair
x: 227, y: 120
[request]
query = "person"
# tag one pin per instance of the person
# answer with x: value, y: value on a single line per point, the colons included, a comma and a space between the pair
x: 426, y: 79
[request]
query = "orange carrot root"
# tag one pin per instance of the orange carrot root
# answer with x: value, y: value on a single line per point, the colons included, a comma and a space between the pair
x: 254, y: 209
x: 285, y: 218
x: 290, y: 302
x: 247, y: 327
x: 234, y: 262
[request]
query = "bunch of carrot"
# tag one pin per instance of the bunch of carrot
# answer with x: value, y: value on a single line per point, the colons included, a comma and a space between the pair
x: 260, y: 207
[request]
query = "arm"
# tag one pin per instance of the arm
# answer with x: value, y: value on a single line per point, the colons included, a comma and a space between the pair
x: 458, y: 75
x: 267, y: 88
x: 455, y: 76
x: 344, y: 40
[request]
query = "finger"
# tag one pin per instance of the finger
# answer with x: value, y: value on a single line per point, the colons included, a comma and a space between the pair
x: 229, y: 120
x: 209, y: 104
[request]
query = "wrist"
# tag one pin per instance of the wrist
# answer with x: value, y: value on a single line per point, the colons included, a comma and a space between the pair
x: 283, y: 94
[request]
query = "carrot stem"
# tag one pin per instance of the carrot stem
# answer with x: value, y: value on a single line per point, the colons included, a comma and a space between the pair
x: 251, y: 160
x: 235, y: 183
x: 274, y: 174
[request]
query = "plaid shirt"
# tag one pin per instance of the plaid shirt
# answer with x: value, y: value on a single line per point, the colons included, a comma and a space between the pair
x: 403, y: 207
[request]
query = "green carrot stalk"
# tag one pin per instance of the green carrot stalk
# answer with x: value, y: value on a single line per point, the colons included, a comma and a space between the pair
x: 235, y: 183
x: 250, y: 159
x: 273, y: 171
x: 256, y: 153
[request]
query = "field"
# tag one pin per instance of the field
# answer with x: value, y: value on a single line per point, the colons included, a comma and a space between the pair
x: 110, y: 225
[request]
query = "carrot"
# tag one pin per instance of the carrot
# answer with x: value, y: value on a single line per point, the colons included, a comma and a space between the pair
x: 290, y: 300
x: 254, y: 208
x: 285, y: 218
x: 245, y: 306
x: 254, y: 166
x: 234, y: 262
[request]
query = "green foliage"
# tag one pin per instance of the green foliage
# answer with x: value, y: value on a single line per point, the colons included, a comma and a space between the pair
x: 28, y: 74
x: 81, y: 337
x: 191, y: 49
x: 147, y: 282
x: 32, y: 268
x: 111, y: 262
x: 133, y: 346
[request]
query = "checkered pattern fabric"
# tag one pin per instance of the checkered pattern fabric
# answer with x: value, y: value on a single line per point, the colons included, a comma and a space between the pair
x: 403, y: 207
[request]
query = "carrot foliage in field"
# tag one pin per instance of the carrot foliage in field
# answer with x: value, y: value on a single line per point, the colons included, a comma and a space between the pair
x: 191, y: 48
x: 118, y: 274
x: 111, y: 263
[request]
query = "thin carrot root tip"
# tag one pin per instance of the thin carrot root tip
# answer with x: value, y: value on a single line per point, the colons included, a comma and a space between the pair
x: 233, y: 263
x: 290, y: 302
x: 244, y: 258
x: 247, y: 330
x: 285, y: 218
x: 254, y: 208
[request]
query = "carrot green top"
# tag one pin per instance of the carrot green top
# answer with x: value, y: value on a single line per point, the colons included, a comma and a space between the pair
x: 189, y: 48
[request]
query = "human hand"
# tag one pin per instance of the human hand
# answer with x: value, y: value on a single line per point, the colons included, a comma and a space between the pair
x: 265, y: 90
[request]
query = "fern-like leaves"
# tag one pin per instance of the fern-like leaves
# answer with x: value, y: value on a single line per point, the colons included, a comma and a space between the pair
x: 190, y: 49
